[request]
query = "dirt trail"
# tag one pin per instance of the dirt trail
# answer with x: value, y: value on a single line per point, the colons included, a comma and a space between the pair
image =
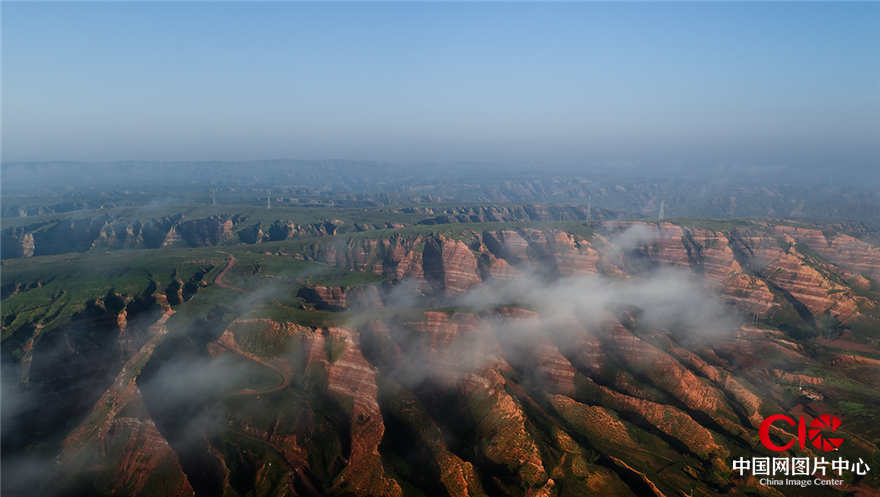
x: 227, y: 341
x: 298, y: 467
x: 219, y: 279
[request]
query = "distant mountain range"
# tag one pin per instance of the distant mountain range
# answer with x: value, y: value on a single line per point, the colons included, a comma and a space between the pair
x: 45, y: 188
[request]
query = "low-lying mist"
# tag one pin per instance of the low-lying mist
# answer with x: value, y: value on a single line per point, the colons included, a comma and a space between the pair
x: 509, y: 318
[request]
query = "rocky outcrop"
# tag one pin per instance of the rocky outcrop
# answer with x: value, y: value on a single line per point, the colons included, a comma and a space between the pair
x: 553, y: 369
x: 444, y: 347
x: 581, y: 477
x: 749, y: 293
x: 597, y: 423
x: 285, y: 230
x: 130, y: 457
x: 508, y: 245
x: 574, y: 255
x: 523, y: 213
x: 449, y: 265
x: 107, y: 232
x: 317, y: 362
x: 121, y: 392
x: 145, y: 464
x: 397, y: 257
x: 844, y: 250
x: 352, y: 377
x: 135, y: 459
x: 213, y: 230
x: 818, y: 293
x: 76, y: 235
x: 458, y: 477
x: 669, y: 420
x: 17, y: 242
x: 803, y: 279
x: 669, y: 375
x: 324, y: 297
x: 671, y: 246
x: 534, y: 353
x: 337, y: 298
x: 704, y: 252
x: 493, y: 268
x: 711, y: 254
x: 645, y: 485
x: 501, y: 430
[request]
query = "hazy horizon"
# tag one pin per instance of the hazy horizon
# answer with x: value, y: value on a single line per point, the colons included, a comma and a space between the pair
x: 756, y: 85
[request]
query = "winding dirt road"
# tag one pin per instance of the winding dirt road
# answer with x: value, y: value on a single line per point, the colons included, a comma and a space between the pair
x: 227, y: 341
x: 298, y: 466
x: 219, y: 279
x: 282, y: 369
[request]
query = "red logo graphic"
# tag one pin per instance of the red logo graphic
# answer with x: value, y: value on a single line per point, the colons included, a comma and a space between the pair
x: 813, y: 433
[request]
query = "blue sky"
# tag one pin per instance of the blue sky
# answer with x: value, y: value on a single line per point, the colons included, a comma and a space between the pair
x: 441, y: 81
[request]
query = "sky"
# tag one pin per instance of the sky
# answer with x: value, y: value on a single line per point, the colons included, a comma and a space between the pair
x: 742, y: 83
